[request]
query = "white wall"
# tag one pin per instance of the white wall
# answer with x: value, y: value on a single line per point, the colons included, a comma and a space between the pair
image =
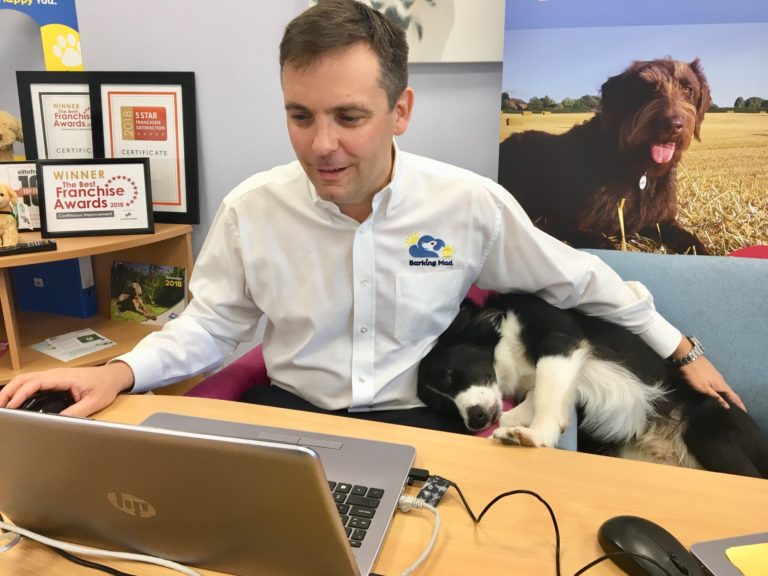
x: 232, y: 46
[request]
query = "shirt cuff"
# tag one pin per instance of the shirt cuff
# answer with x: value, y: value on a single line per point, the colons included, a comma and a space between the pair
x: 662, y: 336
x: 144, y: 377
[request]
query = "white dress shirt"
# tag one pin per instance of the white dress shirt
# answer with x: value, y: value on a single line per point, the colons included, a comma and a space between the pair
x: 351, y: 308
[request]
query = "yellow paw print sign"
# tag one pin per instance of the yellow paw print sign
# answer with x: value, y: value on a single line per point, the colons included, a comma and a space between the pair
x: 58, y: 30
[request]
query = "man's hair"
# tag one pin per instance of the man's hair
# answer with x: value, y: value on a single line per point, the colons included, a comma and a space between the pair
x: 334, y: 24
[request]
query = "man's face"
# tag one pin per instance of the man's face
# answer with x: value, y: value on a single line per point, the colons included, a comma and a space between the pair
x: 341, y: 127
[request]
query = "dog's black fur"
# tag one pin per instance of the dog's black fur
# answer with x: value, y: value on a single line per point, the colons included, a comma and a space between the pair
x: 571, y: 185
x: 517, y: 343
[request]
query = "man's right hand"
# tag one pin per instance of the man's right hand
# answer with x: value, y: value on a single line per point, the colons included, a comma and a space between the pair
x: 93, y: 388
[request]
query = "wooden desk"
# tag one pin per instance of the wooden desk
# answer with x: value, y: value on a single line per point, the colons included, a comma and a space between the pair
x: 516, y: 536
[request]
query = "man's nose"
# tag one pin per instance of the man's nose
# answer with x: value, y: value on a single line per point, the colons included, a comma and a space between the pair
x: 325, y: 139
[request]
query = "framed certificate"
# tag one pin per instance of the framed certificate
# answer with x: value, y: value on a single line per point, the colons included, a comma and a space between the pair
x: 55, y: 114
x: 94, y: 197
x: 152, y: 115
x: 22, y: 178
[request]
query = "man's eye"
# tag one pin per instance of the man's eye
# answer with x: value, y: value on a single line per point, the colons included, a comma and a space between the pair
x: 349, y: 119
x: 299, y: 117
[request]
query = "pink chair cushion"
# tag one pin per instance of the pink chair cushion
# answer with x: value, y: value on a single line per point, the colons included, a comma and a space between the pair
x: 756, y: 251
x: 230, y: 382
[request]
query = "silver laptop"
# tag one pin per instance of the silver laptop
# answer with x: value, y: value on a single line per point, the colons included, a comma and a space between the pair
x: 712, y: 554
x: 235, y: 498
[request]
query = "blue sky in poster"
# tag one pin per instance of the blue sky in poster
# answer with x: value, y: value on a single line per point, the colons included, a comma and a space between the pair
x: 568, y: 48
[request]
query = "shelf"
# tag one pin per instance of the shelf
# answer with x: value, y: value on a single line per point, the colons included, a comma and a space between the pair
x: 171, y: 244
x: 91, y: 245
x: 37, y: 327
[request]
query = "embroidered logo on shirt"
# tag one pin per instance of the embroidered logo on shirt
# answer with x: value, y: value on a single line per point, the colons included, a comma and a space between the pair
x: 427, y: 250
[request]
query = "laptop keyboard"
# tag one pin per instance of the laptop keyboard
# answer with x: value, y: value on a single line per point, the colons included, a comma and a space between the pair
x: 357, y: 505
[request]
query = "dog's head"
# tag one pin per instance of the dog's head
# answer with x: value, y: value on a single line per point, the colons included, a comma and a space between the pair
x: 8, y: 197
x: 655, y: 108
x: 133, y: 289
x: 457, y: 376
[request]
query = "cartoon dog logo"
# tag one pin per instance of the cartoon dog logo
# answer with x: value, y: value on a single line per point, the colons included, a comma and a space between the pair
x: 427, y: 247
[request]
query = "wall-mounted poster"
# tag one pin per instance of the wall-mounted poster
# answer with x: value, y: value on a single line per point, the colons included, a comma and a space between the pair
x: 447, y: 30
x: 58, y: 30
x: 638, y: 125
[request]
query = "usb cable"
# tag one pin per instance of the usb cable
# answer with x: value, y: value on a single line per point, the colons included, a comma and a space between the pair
x: 408, y: 503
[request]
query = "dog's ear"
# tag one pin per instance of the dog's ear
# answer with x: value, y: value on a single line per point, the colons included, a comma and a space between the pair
x: 612, y: 97
x: 705, y: 97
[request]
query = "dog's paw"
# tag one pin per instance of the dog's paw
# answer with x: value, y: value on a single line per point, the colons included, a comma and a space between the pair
x: 518, y: 416
x: 523, y: 436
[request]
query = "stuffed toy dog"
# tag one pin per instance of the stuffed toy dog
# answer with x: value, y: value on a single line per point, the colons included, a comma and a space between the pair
x: 10, y: 132
x: 9, y: 233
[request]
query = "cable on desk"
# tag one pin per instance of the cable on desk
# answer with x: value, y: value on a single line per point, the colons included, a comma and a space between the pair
x: 88, y: 551
x: 89, y: 564
x: 476, y: 520
x: 408, y: 503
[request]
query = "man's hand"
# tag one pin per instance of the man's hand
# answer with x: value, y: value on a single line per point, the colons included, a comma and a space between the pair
x: 704, y: 377
x: 93, y: 388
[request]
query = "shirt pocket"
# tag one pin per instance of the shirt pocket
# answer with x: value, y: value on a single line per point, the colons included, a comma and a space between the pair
x: 426, y: 303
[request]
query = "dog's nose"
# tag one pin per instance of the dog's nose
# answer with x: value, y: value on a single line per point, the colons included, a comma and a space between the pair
x: 477, y: 418
x: 675, y: 124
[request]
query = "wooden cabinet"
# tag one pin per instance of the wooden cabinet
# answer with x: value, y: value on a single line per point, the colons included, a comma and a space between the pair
x: 171, y: 244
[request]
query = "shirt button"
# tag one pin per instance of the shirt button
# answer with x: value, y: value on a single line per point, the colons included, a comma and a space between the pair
x: 363, y: 329
x: 364, y: 283
x: 361, y: 379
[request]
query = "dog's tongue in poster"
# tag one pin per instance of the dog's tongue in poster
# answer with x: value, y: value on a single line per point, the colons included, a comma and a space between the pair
x: 662, y: 153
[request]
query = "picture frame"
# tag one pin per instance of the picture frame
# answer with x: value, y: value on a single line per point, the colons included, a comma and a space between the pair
x: 94, y: 197
x: 152, y: 114
x: 56, y: 114
x: 22, y: 178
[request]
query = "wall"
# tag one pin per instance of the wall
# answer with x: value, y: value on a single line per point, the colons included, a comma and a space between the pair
x: 232, y: 46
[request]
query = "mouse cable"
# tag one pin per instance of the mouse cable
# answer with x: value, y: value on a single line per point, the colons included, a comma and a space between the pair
x: 476, y: 520
x: 408, y: 503
x: 88, y: 551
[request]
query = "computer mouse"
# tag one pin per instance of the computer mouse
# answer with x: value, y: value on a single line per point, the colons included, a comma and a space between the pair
x: 49, y: 401
x: 641, y: 536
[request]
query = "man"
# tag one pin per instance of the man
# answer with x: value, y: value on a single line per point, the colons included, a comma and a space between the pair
x: 358, y: 254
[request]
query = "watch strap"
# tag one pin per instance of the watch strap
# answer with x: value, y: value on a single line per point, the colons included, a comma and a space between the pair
x: 696, y: 352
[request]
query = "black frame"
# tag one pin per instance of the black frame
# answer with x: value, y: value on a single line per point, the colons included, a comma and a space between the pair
x: 45, y: 233
x: 186, y: 82
x: 24, y: 82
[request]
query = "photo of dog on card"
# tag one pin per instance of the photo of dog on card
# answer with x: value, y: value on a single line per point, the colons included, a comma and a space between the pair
x: 148, y: 293
x: 631, y: 402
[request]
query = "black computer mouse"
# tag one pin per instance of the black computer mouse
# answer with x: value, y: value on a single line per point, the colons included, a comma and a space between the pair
x: 641, y: 536
x: 49, y: 401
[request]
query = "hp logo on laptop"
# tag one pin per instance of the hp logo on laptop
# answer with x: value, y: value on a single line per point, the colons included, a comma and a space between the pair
x: 131, y: 505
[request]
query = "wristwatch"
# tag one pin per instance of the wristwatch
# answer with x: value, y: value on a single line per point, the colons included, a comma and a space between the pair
x: 695, y: 352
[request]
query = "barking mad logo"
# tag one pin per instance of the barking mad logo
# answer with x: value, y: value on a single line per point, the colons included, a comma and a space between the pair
x: 426, y: 250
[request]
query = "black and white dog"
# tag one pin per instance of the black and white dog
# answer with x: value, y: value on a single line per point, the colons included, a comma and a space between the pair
x: 631, y: 402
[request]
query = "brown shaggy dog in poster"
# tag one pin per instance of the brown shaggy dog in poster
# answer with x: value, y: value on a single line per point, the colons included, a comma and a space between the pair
x: 571, y: 185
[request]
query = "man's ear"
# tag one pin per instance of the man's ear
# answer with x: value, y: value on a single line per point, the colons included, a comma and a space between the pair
x: 402, y: 110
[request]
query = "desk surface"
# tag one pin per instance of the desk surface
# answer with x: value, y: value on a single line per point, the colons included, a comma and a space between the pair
x: 516, y: 536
